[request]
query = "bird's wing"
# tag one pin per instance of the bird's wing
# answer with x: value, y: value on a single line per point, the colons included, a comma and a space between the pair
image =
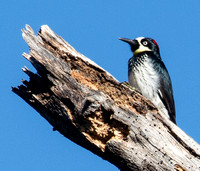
x: 166, y: 94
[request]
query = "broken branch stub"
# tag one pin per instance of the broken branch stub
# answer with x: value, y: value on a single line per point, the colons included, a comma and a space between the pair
x: 90, y: 107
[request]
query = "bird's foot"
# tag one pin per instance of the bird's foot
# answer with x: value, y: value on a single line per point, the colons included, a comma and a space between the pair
x: 126, y: 84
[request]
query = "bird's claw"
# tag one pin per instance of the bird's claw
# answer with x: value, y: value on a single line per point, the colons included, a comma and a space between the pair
x: 126, y: 84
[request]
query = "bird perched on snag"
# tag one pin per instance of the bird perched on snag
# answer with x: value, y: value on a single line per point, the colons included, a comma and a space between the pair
x: 148, y: 74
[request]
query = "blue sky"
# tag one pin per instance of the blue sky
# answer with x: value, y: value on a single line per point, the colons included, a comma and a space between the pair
x: 27, y: 141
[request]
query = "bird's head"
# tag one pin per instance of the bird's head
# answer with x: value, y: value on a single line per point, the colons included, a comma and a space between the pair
x: 142, y: 44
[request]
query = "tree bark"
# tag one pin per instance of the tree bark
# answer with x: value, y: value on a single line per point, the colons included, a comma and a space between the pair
x: 90, y: 107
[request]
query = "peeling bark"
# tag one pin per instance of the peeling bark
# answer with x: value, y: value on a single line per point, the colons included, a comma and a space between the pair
x: 90, y: 107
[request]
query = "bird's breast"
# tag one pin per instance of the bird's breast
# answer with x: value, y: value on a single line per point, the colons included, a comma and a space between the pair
x: 143, y: 76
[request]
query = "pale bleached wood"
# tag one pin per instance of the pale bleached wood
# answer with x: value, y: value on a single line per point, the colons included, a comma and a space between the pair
x: 90, y: 107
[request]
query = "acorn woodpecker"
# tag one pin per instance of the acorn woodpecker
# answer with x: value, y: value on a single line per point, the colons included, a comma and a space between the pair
x: 148, y: 74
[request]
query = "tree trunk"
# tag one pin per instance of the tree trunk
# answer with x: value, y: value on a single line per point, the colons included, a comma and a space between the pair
x: 90, y: 107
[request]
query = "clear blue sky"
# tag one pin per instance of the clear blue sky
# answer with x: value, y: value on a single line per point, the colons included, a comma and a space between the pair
x: 27, y: 141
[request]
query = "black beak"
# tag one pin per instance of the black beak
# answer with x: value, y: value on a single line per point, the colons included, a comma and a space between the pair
x: 132, y: 42
x: 129, y: 41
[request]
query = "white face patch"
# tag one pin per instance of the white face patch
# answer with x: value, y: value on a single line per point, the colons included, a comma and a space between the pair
x: 141, y: 48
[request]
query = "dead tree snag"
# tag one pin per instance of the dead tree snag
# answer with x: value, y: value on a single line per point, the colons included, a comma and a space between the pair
x: 90, y: 107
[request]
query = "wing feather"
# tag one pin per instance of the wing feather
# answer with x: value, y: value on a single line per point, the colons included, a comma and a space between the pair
x: 166, y: 94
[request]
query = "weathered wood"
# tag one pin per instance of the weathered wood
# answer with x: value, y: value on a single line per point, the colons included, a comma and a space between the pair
x: 90, y: 107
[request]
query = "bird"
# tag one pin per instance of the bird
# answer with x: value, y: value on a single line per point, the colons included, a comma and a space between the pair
x: 148, y: 74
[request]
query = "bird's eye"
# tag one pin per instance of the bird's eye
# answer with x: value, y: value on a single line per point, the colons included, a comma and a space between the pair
x: 145, y: 43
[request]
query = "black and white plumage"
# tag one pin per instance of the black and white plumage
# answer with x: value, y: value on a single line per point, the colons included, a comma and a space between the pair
x: 148, y: 74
